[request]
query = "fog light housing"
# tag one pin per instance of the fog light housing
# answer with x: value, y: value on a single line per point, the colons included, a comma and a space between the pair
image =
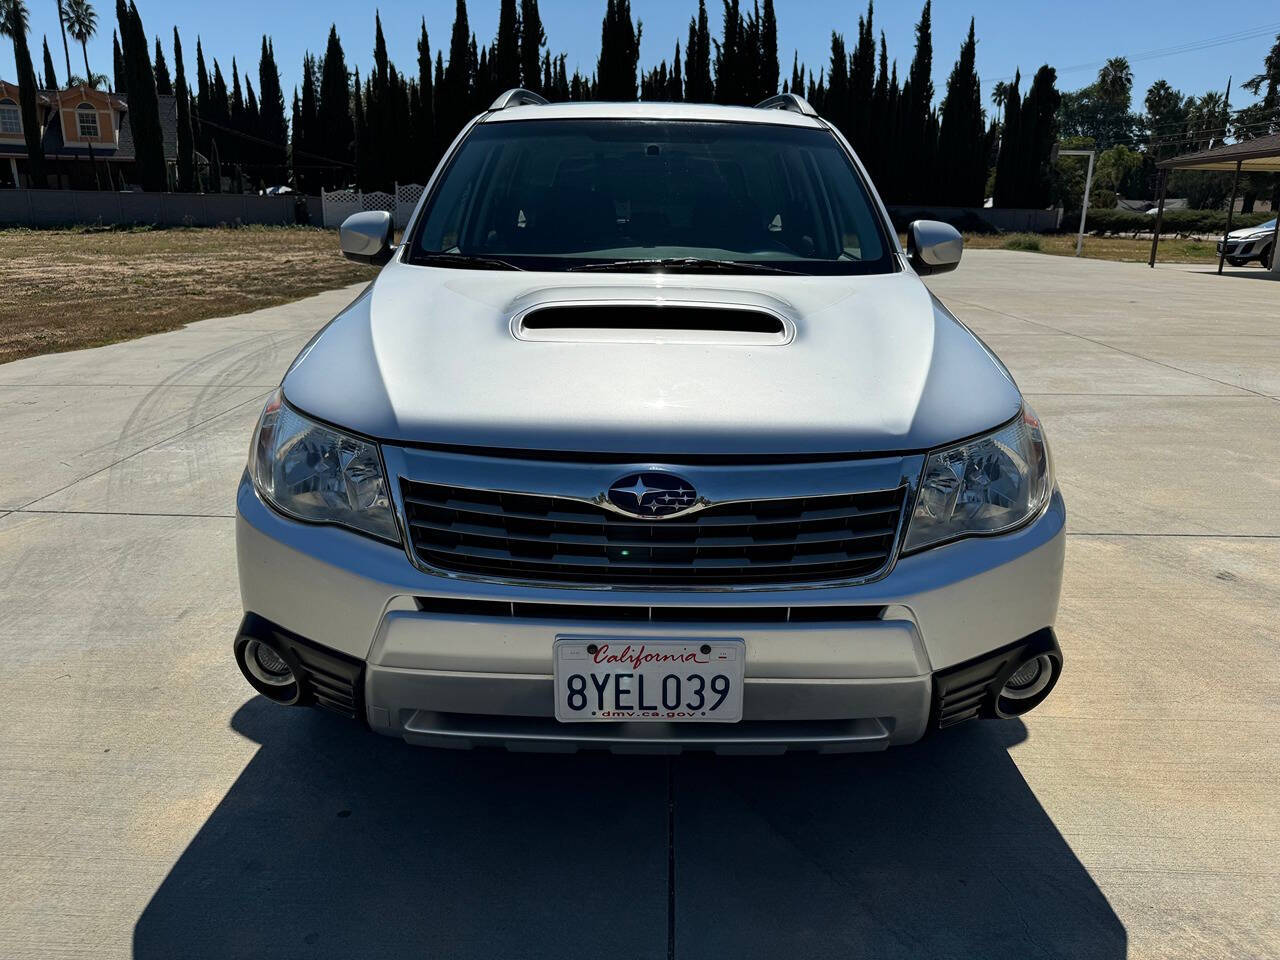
x: 267, y: 665
x: 1028, y: 685
x: 270, y: 670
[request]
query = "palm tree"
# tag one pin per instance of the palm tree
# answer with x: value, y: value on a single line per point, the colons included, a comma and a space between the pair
x: 83, y: 24
x: 999, y: 97
x: 66, y: 52
x: 15, y: 23
x: 1115, y: 80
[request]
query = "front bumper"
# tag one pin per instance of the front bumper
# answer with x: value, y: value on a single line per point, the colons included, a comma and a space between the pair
x: 464, y: 663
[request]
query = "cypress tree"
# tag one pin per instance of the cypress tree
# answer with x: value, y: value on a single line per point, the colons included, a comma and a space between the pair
x: 202, y: 81
x: 219, y: 102
x: 548, y: 79
x: 562, y: 80
x: 376, y: 131
x: 360, y: 124
x: 917, y: 145
x: 1007, y: 189
x: 769, y: 68
x: 51, y: 78
x: 731, y: 79
x: 698, y: 86
x: 532, y: 38
x: 186, y: 138
x: 295, y: 127
x: 835, y: 105
x: 505, y: 61
x: 271, y: 122
x: 118, y: 73
x: 164, y: 85
x: 797, y: 75
x: 675, y: 88
x: 862, y: 82
x: 962, y: 154
x: 424, y: 125
x: 1038, y: 131
x: 304, y: 133
x: 144, y: 107
x: 13, y: 23
x: 456, y: 91
x: 619, y: 53
x: 873, y: 152
x: 235, y: 146
x: 336, y: 133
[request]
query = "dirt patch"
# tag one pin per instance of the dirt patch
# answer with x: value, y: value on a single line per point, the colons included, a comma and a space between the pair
x: 68, y: 289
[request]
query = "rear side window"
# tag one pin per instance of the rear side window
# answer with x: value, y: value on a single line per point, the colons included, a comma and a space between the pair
x: 559, y: 193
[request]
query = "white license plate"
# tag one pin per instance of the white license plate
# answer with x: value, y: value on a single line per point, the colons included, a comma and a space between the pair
x: 615, y: 680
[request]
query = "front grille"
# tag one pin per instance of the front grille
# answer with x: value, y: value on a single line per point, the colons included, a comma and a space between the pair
x: 531, y: 537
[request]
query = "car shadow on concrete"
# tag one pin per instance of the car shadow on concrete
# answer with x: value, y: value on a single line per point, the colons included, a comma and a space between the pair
x: 335, y: 842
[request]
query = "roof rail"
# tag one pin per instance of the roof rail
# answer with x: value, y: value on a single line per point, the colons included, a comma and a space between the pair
x: 518, y: 97
x: 788, y: 101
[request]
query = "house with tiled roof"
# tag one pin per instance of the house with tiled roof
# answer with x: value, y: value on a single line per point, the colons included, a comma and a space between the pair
x: 87, y: 140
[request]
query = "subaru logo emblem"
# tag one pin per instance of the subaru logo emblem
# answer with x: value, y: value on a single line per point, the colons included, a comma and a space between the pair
x: 652, y: 494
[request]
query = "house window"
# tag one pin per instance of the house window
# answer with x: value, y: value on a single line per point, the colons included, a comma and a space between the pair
x: 10, y: 118
x: 88, y: 118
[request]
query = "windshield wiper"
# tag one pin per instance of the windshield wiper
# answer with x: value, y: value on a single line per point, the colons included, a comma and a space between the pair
x: 465, y: 261
x: 682, y: 263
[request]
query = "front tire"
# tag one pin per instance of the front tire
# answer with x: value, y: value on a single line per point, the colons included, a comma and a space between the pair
x: 1266, y: 258
x: 1236, y: 261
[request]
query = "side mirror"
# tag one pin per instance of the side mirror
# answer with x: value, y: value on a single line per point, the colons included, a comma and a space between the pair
x: 366, y: 237
x: 933, y: 246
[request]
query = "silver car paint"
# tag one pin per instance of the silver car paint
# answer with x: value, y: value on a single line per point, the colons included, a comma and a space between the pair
x: 874, y: 364
x: 428, y: 356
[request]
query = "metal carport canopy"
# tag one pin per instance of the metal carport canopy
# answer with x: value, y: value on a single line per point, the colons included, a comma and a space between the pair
x: 1259, y: 155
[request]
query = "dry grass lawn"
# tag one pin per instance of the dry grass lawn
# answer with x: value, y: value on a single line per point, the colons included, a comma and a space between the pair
x: 1172, y: 249
x: 67, y: 289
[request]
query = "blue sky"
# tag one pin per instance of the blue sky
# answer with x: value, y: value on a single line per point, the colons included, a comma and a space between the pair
x: 1074, y: 36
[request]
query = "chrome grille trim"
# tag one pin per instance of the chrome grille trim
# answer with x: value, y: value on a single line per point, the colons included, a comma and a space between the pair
x: 493, y: 493
x: 531, y: 537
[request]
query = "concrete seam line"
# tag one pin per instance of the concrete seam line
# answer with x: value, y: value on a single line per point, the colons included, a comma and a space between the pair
x: 194, y: 426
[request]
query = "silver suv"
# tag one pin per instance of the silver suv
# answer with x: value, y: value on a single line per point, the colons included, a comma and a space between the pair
x: 649, y: 437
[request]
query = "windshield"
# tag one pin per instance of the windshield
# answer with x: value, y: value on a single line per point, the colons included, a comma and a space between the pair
x: 626, y: 194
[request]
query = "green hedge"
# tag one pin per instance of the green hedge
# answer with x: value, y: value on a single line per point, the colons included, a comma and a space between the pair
x: 1175, y: 221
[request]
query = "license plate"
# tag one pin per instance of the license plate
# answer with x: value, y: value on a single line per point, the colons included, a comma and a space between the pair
x: 667, y: 680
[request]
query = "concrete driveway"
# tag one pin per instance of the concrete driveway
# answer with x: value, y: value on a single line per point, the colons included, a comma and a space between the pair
x: 150, y: 805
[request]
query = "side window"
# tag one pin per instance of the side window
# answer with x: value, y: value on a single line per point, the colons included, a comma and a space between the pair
x: 10, y: 117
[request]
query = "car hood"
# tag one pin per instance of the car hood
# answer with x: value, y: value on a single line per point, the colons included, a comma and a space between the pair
x: 1262, y: 228
x: 865, y: 364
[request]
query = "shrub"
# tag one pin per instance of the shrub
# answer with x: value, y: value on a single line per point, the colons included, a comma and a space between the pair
x: 1175, y: 221
x: 1026, y: 242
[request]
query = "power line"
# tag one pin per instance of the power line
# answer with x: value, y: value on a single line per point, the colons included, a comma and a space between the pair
x: 1192, y: 46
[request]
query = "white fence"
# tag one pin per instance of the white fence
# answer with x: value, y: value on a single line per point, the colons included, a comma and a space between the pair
x: 340, y: 204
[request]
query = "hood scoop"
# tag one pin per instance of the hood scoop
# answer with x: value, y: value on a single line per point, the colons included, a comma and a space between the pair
x: 662, y: 321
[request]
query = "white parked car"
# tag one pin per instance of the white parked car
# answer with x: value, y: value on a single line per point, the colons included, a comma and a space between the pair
x: 1251, y: 243
x: 649, y: 437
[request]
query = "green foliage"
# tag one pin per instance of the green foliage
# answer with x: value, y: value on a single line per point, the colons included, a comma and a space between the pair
x: 1025, y: 242
x: 14, y: 24
x: 1174, y: 221
x: 164, y: 85
x: 1024, y: 177
x: 50, y: 77
x: 962, y: 142
x: 144, y: 106
x: 186, y: 136
x: 619, y: 53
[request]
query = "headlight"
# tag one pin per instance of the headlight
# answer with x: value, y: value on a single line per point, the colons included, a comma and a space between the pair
x: 314, y: 472
x: 983, y: 486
